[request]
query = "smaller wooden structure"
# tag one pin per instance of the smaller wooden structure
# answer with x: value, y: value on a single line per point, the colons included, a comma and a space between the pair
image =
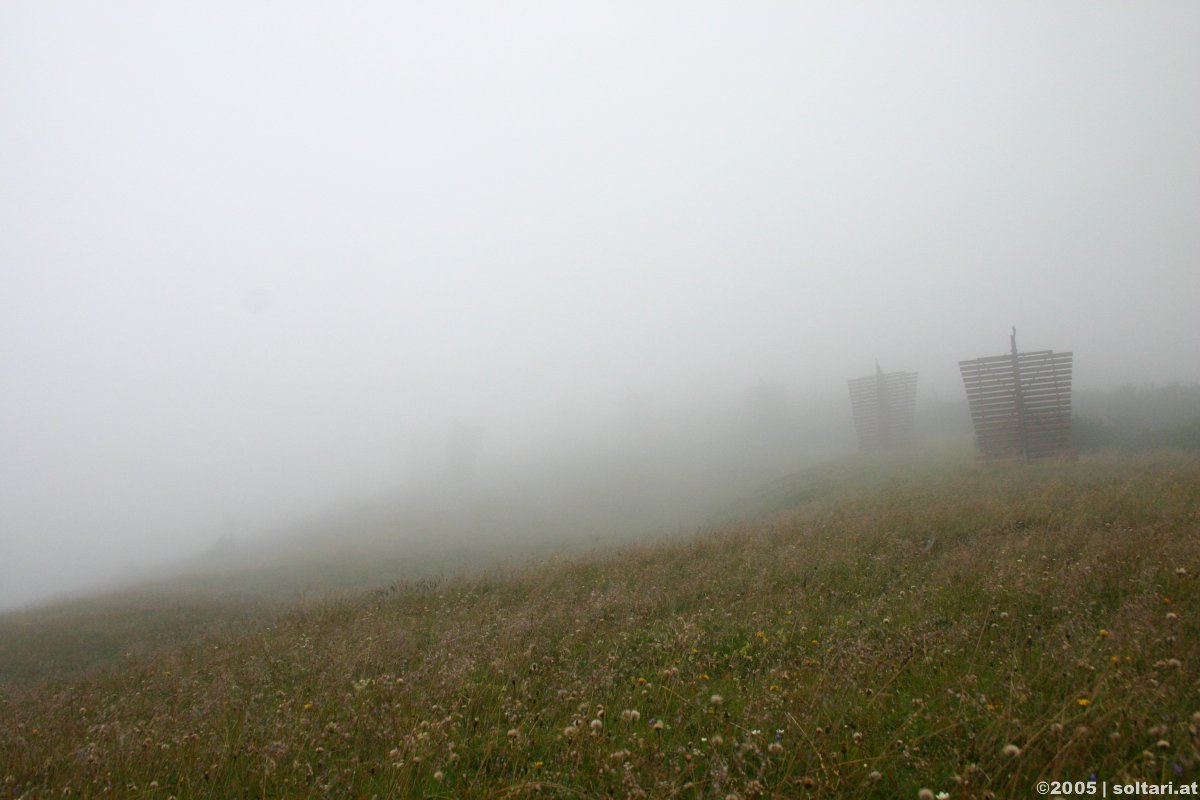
x: 1020, y: 403
x: 884, y: 406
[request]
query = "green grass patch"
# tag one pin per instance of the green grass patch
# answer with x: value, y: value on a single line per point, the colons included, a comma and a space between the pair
x: 967, y: 629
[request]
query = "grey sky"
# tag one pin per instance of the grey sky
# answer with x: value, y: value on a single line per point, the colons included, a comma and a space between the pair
x: 255, y: 256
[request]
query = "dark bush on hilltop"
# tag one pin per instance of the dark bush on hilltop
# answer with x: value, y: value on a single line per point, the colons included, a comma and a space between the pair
x: 1137, y: 418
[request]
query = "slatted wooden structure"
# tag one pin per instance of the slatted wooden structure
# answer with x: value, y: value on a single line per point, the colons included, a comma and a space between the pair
x: 1020, y: 403
x: 884, y: 405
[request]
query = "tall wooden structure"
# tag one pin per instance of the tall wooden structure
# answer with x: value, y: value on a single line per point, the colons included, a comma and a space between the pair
x: 884, y: 405
x: 1020, y: 403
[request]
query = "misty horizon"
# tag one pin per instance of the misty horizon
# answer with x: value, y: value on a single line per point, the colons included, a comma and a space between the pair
x: 260, y: 260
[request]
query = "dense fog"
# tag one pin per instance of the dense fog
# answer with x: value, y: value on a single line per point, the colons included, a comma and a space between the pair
x: 262, y: 260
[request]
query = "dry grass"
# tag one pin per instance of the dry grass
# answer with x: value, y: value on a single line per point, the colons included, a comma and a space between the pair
x: 973, y: 632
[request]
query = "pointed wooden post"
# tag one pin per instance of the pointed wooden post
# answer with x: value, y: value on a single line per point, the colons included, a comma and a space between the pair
x: 1018, y: 398
x: 885, y: 424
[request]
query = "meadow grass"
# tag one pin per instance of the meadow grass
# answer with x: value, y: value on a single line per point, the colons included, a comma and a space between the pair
x: 967, y: 629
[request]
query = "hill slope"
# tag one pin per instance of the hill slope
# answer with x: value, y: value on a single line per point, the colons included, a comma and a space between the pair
x: 972, y: 631
x: 563, y: 506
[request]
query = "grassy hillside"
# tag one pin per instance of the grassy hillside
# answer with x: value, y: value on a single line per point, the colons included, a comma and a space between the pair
x: 566, y: 507
x: 969, y: 629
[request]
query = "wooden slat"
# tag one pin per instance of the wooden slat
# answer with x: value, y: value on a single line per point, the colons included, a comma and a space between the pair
x: 880, y: 421
x: 1043, y: 424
